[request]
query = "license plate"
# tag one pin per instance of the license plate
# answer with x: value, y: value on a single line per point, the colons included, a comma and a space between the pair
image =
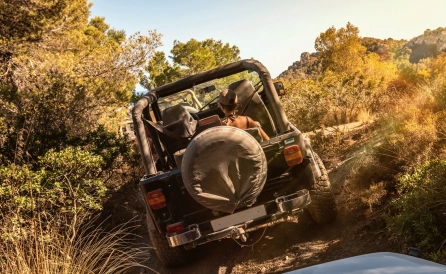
x: 238, y: 218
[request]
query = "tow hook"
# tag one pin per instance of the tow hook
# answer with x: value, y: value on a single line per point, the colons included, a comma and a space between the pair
x: 240, y: 233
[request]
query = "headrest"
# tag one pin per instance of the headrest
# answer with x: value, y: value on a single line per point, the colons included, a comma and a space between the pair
x: 173, y: 114
x: 241, y: 87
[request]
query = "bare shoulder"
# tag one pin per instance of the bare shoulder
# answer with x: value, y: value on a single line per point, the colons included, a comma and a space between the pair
x: 240, y: 122
x: 253, y: 123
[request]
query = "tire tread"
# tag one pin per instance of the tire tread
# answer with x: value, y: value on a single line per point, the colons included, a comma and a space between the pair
x: 323, y: 206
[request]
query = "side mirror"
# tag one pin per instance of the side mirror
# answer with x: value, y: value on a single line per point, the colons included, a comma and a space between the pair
x: 280, y: 89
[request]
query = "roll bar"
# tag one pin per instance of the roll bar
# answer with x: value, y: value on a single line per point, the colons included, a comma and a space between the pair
x: 188, y: 83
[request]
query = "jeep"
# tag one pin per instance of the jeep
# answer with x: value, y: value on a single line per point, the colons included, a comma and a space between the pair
x: 205, y: 181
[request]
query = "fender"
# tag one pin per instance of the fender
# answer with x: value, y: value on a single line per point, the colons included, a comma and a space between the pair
x: 310, y: 154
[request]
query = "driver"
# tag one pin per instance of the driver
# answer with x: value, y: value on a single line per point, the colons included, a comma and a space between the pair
x: 228, y: 102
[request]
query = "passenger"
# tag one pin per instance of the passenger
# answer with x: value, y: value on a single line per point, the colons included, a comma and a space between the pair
x: 228, y: 103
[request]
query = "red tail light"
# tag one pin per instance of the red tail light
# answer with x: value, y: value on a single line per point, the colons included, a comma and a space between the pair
x: 293, y: 155
x: 174, y: 228
x: 156, y: 199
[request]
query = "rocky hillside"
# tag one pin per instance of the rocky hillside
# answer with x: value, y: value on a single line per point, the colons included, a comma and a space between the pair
x: 429, y: 44
x: 308, y: 66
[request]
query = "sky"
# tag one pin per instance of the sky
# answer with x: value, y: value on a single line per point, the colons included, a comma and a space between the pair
x: 273, y: 32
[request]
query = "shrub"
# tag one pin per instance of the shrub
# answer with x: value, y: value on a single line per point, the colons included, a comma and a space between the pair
x: 306, y: 105
x: 64, y: 186
x: 106, y: 144
x: 411, y: 135
x: 421, y: 208
x: 374, y: 195
x: 42, y: 215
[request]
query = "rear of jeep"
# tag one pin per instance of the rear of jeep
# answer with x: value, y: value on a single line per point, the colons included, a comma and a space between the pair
x: 211, y: 181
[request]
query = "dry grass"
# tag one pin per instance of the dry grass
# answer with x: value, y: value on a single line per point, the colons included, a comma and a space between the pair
x: 83, y: 250
x: 374, y: 195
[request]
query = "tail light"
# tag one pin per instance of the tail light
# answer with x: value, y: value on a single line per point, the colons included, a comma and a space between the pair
x: 156, y: 199
x: 174, y: 228
x: 293, y: 155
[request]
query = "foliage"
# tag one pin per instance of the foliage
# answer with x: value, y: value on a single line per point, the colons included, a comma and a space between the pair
x: 352, y: 81
x: 374, y: 195
x: 65, y: 185
x: 407, y: 101
x: 411, y: 136
x: 436, y: 80
x: 30, y: 20
x: 188, y: 58
x: 198, y: 56
x: 376, y: 76
x: 62, y: 73
x: 43, y: 214
x: 306, y: 104
x: 160, y: 72
x: 341, y: 50
x: 105, y: 144
x: 421, y: 208
x: 415, y: 124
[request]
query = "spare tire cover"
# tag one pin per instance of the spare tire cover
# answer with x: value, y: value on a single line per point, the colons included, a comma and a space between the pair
x: 224, y: 168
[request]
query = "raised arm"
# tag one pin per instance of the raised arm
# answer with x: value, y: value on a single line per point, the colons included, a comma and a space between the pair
x: 254, y: 124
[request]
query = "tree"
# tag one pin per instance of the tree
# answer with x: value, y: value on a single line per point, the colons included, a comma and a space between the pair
x: 195, y: 56
x: 306, y: 104
x: 62, y: 74
x: 65, y: 82
x: 341, y: 50
x: 188, y: 58
x: 30, y: 21
x: 352, y: 79
x: 434, y: 78
x: 160, y: 72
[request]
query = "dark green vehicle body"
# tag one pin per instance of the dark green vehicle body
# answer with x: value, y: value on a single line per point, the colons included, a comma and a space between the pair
x: 287, y: 191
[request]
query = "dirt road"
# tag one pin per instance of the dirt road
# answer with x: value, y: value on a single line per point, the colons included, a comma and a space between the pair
x: 289, y: 246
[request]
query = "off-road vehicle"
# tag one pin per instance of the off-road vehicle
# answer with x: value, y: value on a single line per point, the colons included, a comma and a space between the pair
x: 205, y: 181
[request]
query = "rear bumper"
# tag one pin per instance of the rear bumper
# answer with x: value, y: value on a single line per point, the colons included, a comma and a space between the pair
x: 287, y: 208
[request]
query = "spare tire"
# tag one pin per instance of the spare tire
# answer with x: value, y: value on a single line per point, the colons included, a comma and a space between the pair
x: 224, y: 168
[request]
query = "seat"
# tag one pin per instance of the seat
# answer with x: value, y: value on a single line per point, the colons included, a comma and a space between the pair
x: 206, y: 123
x: 173, y: 114
x: 256, y: 109
x: 255, y: 132
x: 178, y: 128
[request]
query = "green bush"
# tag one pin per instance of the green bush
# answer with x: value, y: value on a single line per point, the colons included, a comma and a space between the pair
x: 65, y: 185
x: 104, y: 143
x: 421, y: 208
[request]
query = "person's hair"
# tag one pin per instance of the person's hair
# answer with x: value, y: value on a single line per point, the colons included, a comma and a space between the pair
x: 229, y: 107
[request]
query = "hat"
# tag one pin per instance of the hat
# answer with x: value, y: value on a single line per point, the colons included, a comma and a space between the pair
x: 228, y: 97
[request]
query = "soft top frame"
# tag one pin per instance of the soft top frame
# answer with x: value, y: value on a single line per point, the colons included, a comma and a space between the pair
x: 188, y: 82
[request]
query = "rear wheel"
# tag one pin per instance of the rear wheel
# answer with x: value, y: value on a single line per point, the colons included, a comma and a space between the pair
x: 169, y: 256
x: 323, y: 206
